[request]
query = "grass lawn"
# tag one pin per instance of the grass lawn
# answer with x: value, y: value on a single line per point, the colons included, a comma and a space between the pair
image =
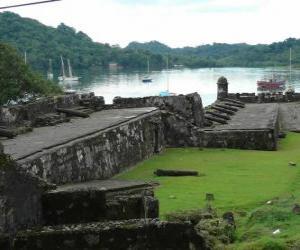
x: 241, y: 180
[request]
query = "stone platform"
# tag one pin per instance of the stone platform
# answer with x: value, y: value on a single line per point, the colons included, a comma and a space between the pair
x: 290, y: 116
x: 91, y: 148
x: 48, y: 137
x: 253, y: 117
x: 253, y: 127
x: 98, y: 201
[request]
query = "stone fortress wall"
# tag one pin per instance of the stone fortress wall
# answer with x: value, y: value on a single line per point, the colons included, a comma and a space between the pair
x: 54, y: 178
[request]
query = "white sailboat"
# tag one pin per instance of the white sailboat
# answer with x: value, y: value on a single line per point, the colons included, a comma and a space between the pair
x: 167, y: 92
x: 64, y: 78
x: 147, y: 78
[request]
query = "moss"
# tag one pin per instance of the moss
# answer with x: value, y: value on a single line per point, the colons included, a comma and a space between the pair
x: 5, y: 162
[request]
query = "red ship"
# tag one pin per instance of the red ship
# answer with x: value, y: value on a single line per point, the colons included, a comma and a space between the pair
x: 271, y: 86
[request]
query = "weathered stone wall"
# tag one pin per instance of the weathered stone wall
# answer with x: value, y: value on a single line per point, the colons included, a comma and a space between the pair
x: 99, y: 155
x: 135, y: 234
x: 18, y: 114
x: 20, y: 193
x: 188, y: 106
x: 90, y: 204
x: 265, y: 98
x: 241, y: 139
x: 255, y: 139
x: 179, y: 132
x: 183, y: 115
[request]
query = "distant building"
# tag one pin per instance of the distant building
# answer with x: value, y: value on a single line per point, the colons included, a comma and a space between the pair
x: 113, y: 66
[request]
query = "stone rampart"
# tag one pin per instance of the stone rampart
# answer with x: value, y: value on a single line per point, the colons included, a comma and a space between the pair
x: 99, y: 155
x: 134, y: 234
x: 188, y: 106
x: 16, y: 115
x: 265, y: 98
x: 20, y: 197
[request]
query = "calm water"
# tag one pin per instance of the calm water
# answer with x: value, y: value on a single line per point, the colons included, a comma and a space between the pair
x: 182, y: 81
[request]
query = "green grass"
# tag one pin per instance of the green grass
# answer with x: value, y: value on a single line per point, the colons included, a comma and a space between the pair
x: 241, y: 180
x: 237, y: 178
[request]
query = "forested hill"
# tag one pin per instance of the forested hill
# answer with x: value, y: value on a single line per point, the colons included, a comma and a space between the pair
x: 43, y: 43
x: 227, y: 55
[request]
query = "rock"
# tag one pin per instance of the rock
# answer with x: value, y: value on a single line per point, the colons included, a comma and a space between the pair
x: 229, y: 217
x: 296, y: 209
x: 281, y: 135
x: 210, y: 197
x: 162, y: 172
x: 292, y: 164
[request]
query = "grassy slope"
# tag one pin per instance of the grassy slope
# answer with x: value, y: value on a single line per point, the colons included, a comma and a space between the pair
x: 240, y: 180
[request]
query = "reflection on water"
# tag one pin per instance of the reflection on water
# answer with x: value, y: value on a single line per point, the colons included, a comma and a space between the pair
x: 181, y: 81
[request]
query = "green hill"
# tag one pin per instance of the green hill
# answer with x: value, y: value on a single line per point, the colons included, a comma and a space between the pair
x: 43, y: 43
x: 228, y: 55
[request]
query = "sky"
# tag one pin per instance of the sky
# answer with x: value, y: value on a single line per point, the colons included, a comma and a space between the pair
x: 177, y: 23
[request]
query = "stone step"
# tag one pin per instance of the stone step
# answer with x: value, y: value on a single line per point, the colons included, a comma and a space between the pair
x: 223, y: 110
x: 98, y: 201
x: 215, y: 119
x: 122, y: 235
x: 234, y: 105
x: 217, y: 114
x: 234, y: 101
x: 227, y: 107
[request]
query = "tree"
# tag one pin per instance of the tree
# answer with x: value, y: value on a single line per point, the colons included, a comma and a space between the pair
x: 16, y: 78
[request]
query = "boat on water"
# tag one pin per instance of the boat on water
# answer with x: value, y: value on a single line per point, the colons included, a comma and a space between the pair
x: 64, y: 78
x: 275, y: 85
x: 167, y: 92
x: 271, y: 86
x: 147, y: 78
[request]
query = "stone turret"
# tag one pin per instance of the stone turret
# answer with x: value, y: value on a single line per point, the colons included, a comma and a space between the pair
x: 222, y: 88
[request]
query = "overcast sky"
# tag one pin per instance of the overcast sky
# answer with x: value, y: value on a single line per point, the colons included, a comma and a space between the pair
x: 176, y: 23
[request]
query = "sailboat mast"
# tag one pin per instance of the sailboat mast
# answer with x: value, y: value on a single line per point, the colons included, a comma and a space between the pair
x: 50, y: 66
x: 148, y: 65
x: 70, y: 69
x: 63, y: 67
x: 168, y: 73
x: 290, y: 64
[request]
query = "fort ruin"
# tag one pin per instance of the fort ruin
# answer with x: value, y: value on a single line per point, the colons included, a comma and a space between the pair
x: 56, y: 186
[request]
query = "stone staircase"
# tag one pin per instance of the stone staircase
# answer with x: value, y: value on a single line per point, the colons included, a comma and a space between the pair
x: 220, y: 112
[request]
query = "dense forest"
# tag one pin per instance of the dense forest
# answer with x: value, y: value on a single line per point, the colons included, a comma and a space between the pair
x: 228, y: 55
x: 43, y: 43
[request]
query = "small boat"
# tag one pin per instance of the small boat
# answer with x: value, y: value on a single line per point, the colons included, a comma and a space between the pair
x: 64, y: 78
x: 147, y: 78
x: 167, y: 92
x: 271, y: 86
